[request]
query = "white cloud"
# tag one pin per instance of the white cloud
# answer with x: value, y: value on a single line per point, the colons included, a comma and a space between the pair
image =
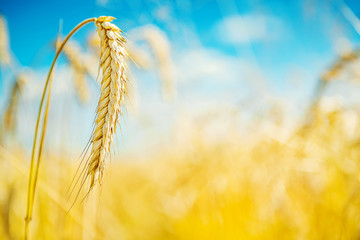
x: 163, y: 13
x: 200, y: 63
x: 212, y: 65
x: 242, y: 29
x: 102, y: 3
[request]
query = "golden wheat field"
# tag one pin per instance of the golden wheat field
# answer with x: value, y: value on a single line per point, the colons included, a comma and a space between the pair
x: 167, y: 128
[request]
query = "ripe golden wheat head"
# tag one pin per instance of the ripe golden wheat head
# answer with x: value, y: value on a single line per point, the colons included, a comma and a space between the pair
x: 113, y: 88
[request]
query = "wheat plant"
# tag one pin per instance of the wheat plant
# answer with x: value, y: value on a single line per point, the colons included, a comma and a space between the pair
x: 113, y: 67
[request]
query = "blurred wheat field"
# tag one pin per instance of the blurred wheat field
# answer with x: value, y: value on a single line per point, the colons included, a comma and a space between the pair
x: 202, y: 144
x: 306, y: 188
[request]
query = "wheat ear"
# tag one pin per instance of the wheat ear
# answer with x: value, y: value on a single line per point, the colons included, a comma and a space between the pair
x: 340, y: 64
x: 322, y: 84
x: 113, y: 86
x: 4, y: 42
x: 333, y: 72
x: 160, y: 45
x: 12, y: 106
x: 76, y: 59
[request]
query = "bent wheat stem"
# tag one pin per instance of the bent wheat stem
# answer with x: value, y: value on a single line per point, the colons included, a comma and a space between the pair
x: 33, y: 175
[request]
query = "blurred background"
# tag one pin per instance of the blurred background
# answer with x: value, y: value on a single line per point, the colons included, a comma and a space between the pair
x: 242, y: 120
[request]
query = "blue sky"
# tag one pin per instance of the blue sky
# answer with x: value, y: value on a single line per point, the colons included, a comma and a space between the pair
x: 33, y: 24
x: 225, y: 50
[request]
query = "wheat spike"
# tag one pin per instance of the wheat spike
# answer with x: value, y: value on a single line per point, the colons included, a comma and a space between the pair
x: 160, y: 45
x: 4, y: 42
x: 330, y: 74
x: 112, y: 63
x: 75, y: 57
x: 140, y: 57
x: 12, y: 106
x: 340, y: 64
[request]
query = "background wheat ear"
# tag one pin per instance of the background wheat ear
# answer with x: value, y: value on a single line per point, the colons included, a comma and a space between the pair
x: 161, y: 48
x: 76, y: 59
x: 325, y: 79
x: 9, y: 117
x: 340, y: 64
x: 113, y: 90
x: 4, y: 43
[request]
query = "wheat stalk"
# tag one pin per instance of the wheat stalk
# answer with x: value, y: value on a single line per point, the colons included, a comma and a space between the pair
x: 34, y: 165
x: 113, y: 87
